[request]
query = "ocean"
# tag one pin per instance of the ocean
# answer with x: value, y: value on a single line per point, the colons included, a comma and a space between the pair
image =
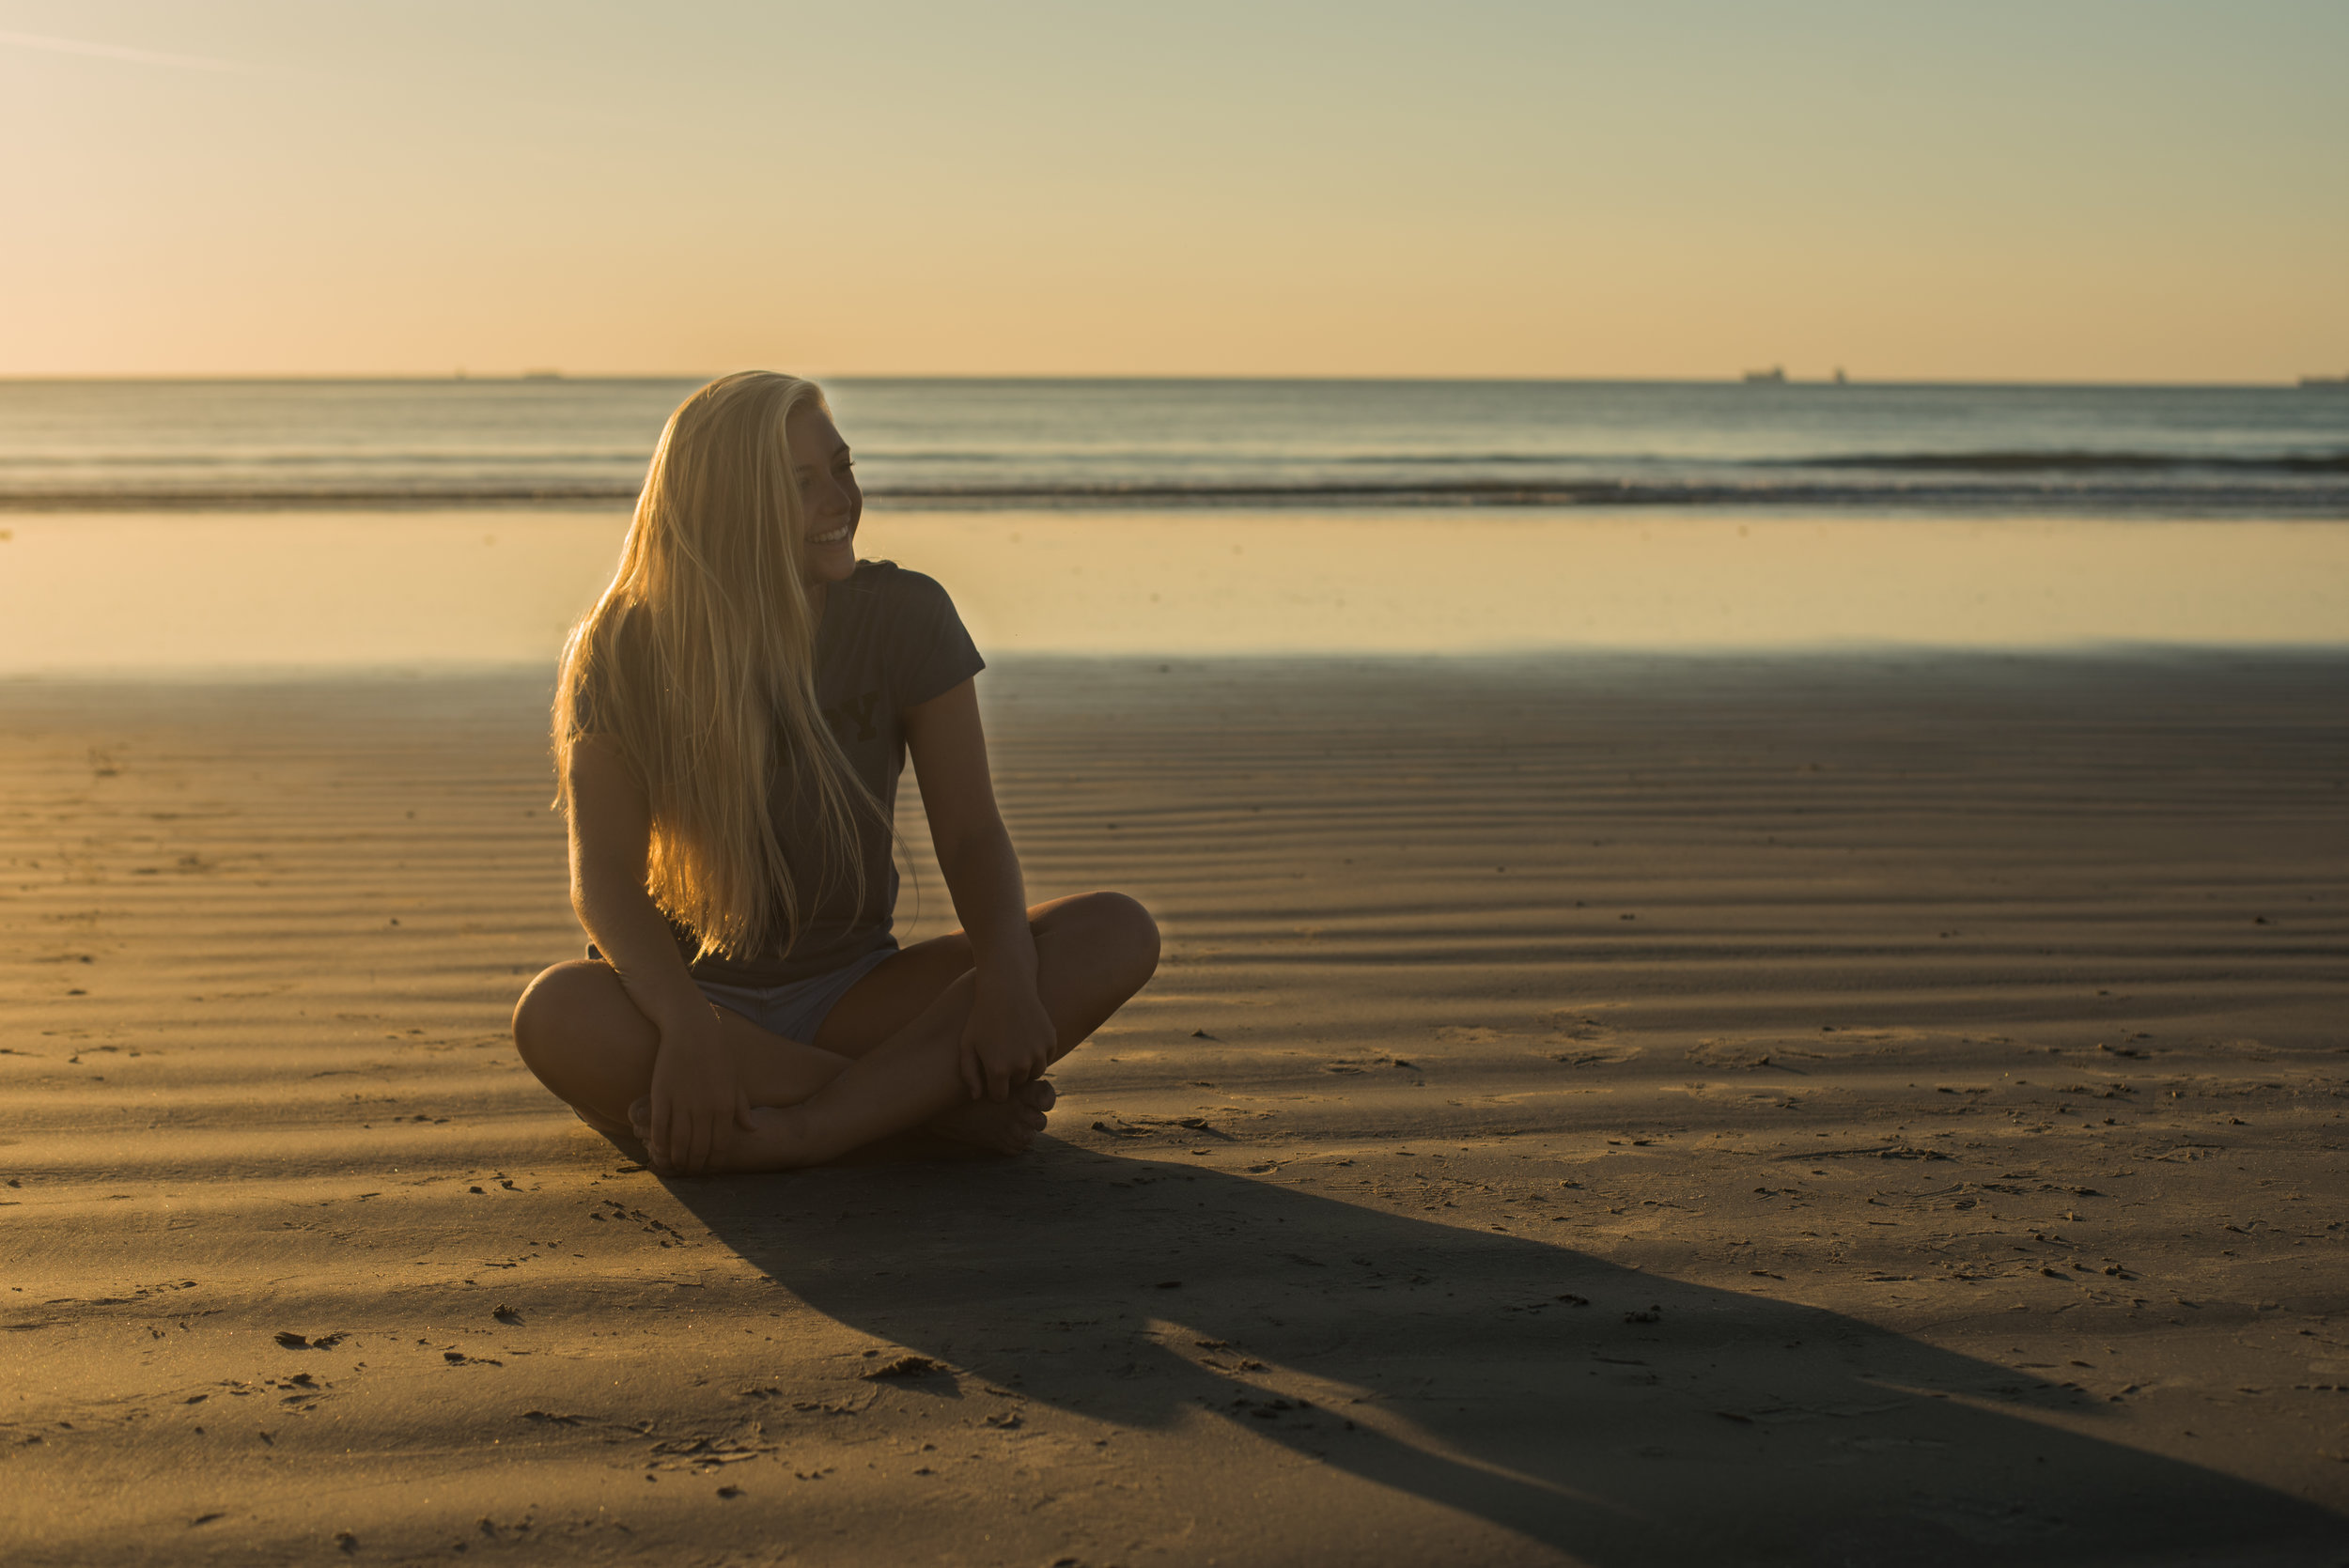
x: 187, y: 527
x: 941, y: 445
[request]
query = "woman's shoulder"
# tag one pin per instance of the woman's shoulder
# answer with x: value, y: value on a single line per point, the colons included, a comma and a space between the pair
x: 899, y: 592
x: 890, y: 579
x: 916, y: 630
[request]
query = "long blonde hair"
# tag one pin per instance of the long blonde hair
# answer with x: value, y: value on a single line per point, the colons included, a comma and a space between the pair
x: 699, y: 663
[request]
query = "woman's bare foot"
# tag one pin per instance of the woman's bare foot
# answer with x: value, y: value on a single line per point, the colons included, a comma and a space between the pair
x: 999, y: 1127
x: 780, y: 1138
x: 777, y: 1139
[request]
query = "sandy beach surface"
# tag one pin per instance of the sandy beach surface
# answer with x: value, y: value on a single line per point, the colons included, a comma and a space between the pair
x: 1593, y: 1109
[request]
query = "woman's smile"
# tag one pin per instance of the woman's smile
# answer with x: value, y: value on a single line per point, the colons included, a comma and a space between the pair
x: 825, y: 470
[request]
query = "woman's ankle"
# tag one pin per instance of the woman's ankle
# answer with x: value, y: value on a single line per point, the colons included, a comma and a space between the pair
x: 783, y: 1137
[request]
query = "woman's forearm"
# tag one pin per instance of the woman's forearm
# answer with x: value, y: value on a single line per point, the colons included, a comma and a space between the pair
x: 990, y: 899
x: 635, y: 940
x: 610, y: 832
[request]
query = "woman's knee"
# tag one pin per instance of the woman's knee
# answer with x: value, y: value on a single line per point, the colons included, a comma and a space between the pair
x: 557, y: 1007
x: 1125, y: 930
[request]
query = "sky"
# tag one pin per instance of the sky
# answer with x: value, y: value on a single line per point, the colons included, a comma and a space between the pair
x: 2062, y: 189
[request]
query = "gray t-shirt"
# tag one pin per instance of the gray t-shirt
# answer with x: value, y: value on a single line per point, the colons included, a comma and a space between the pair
x: 890, y: 640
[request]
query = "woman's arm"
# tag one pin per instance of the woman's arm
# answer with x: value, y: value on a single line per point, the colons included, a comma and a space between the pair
x: 1010, y: 1037
x: 697, y: 1100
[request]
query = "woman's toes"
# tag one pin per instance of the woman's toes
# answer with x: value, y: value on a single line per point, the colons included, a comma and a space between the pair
x: 1005, y: 1127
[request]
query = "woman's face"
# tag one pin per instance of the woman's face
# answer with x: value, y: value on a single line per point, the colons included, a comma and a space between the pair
x: 831, y: 504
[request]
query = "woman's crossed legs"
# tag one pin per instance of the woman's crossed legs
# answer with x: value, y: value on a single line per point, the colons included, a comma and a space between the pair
x: 886, y: 1059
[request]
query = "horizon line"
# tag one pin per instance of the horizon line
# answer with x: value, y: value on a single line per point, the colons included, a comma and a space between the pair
x: 2302, y: 381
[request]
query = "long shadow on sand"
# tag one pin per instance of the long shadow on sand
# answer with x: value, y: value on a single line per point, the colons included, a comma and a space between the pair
x: 1659, y: 1422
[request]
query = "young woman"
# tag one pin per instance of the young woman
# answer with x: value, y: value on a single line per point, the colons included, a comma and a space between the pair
x: 729, y: 727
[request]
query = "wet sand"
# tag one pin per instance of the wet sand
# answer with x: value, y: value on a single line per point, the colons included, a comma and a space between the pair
x: 138, y: 595
x: 1607, y: 1110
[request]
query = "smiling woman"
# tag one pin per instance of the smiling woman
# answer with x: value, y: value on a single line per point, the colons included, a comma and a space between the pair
x: 730, y: 725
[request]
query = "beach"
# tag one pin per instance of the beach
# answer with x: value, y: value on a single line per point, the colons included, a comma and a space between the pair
x: 1596, y: 1108
x: 1718, y: 638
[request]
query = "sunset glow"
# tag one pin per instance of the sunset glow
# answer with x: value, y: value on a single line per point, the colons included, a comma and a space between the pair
x: 2091, y: 192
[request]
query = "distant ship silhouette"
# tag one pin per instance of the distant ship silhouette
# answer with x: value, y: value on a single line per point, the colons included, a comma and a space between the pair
x: 1774, y: 376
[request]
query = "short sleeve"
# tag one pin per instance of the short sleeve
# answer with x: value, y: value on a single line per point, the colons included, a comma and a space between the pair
x: 594, y: 703
x: 588, y: 705
x: 932, y: 649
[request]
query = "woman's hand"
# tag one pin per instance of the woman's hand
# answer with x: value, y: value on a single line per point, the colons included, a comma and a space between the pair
x: 1009, y: 1040
x: 697, y: 1103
